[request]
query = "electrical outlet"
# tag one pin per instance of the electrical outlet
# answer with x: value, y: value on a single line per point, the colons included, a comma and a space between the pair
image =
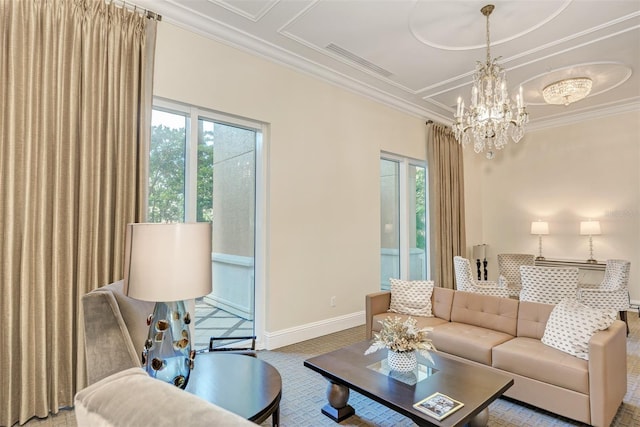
x: 332, y: 302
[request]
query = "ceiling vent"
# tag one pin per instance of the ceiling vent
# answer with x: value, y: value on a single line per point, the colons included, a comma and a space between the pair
x: 358, y: 60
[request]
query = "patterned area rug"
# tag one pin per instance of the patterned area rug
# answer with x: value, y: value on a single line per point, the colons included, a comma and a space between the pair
x: 304, y: 391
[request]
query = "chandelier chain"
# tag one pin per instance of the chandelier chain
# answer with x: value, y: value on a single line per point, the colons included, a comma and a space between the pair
x: 488, y: 39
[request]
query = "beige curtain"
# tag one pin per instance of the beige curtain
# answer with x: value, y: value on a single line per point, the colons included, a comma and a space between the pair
x: 446, y: 202
x: 74, y: 89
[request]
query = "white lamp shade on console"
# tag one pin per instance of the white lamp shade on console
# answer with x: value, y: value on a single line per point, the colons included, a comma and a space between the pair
x: 480, y: 251
x: 540, y: 228
x: 590, y: 228
x: 167, y: 264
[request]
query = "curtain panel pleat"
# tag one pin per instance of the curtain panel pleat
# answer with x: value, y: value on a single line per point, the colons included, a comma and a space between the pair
x: 75, y: 88
x: 446, y: 202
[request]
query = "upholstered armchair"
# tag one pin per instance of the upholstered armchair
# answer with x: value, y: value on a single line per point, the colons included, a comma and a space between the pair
x: 613, y: 292
x: 548, y: 285
x: 509, y: 271
x: 466, y: 282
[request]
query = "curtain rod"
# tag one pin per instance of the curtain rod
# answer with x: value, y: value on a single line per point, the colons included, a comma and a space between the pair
x: 134, y: 7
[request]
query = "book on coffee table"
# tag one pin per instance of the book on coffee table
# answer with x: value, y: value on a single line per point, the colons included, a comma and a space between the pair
x: 438, y: 406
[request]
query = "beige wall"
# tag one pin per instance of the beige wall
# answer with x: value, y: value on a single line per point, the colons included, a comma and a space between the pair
x: 324, y: 169
x: 563, y: 175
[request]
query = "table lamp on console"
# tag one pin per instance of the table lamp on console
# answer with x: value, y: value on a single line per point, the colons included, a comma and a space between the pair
x: 540, y: 228
x: 168, y: 264
x: 590, y: 228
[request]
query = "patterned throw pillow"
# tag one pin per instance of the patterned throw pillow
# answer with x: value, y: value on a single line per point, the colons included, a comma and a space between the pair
x: 411, y: 297
x: 572, y: 324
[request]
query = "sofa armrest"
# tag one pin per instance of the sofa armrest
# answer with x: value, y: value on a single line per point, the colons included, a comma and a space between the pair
x: 375, y: 303
x: 607, y: 372
x: 107, y: 342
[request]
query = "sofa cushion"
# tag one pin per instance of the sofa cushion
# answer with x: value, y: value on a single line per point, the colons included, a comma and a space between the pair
x: 441, y: 300
x: 486, y: 311
x: 467, y: 341
x: 572, y: 324
x: 530, y: 358
x: 411, y: 297
x: 532, y: 318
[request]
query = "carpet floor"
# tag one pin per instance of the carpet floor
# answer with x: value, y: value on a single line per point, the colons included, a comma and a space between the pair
x: 304, y: 392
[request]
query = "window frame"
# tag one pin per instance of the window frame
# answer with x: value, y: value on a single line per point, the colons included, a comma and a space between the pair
x: 404, y: 164
x: 193, y: 114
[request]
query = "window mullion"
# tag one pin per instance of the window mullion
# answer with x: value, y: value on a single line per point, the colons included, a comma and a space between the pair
x: 191, y: 160
x: 404, y: 220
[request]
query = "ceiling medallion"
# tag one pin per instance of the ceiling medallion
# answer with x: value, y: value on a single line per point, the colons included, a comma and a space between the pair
x: 566, y: 91
x: 490, y: 118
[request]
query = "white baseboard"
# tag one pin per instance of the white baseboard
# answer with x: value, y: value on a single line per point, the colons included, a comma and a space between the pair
x: 309, y: 331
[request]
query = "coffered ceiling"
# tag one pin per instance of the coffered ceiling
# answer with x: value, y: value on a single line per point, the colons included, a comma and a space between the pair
x: 419, y: 55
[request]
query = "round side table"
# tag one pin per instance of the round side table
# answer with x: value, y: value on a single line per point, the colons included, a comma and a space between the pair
x: 244, y: 385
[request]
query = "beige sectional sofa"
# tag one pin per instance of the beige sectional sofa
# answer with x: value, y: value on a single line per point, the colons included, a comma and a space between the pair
x: 505, y: 334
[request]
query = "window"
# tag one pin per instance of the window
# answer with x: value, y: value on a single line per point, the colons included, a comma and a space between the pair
x: 403, y: 220
x: 203, y: 167
x: 166, y: 201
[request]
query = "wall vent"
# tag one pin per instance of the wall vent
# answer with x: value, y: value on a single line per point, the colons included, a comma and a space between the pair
x: 358, y: 60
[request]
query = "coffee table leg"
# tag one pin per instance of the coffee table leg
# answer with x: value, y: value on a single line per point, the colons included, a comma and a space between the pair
x: 337, y: 409
x: 480, y: 420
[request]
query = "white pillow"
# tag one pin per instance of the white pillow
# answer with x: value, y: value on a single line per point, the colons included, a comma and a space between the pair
x: 411, y: 297
x: 572, y: 324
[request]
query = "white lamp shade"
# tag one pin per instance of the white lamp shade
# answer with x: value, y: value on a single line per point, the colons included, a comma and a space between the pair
x: 480, y: 251
x: 167, y: 262
x: 590, y: 228
x: 540, y: 227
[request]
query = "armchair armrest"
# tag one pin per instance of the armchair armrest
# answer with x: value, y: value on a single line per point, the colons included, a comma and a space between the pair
x: 502, y: 281
x: 607, y: 372
x: 375, y: 303
x: 615, y: 300
x: 491, y: 284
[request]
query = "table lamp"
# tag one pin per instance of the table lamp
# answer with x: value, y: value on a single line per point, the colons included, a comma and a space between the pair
x: 480, y: 253
x: 541, y: 228
x: 590, y: 228
x: 168, y: 264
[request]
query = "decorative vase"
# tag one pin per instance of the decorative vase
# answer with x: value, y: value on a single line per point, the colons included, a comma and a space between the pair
x: 402, y: 361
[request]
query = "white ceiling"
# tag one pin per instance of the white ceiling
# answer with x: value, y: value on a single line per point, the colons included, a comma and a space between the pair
x: 419, y: 55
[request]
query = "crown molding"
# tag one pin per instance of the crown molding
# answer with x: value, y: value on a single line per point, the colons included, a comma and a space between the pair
x: 568, y: 119
x: 224, y: 34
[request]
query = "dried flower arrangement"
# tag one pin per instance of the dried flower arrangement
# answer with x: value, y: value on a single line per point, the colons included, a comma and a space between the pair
x: 402, y: 336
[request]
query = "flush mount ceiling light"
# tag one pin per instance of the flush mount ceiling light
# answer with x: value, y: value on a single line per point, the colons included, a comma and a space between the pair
x: 566, y: 91
x: 490, y: 118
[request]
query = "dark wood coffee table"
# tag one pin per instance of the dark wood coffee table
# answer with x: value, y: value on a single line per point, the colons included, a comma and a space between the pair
x: 348, y: 368
x: 242, y: 384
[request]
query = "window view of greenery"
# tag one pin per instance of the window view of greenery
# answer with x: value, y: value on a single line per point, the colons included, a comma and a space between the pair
x: 204, y: 202
x: 167, y: 167
x: 418, y: 267
x: 421, y: 209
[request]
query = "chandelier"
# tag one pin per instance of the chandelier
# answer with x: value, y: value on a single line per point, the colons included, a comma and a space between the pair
x: 567, y: 91
x: 490, y: 119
